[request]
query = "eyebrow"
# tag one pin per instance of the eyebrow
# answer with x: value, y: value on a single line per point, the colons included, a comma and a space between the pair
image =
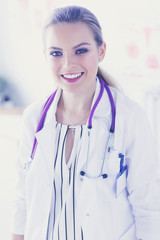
x: 77, y: 46
x: 80, y: 45
x: 56, y: 48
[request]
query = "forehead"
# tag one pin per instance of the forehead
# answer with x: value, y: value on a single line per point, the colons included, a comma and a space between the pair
x: 62, y: 34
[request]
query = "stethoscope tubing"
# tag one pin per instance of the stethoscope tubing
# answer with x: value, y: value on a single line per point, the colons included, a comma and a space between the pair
x: 51, y: 98
x: 107, y: 150
x: 113, y: 108
x: 96, y: 104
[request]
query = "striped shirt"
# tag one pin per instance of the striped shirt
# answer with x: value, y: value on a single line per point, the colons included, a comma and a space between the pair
x: 62, y: 219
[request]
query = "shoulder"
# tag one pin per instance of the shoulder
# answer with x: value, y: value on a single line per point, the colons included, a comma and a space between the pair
x: 130, y: 115
x: 33, y: 110
x: 32, y: 113
x: 125, y: 105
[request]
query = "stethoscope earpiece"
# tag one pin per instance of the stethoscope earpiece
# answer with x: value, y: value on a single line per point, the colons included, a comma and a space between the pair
x: 83, y: 173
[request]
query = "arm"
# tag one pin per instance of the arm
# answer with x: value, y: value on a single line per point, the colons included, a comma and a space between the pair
x: 19, y: 201
x: 17, y: 237
x: 143, y: 178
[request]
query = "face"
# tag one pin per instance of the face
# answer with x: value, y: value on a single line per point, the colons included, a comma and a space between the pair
x: 73, y: 56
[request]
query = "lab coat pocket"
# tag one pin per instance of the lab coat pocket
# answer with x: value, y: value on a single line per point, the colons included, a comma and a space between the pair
x: 121, y: 183
x: 130, y: 234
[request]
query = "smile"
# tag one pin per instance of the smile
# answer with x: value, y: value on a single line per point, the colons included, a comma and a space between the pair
x: 72, y: 76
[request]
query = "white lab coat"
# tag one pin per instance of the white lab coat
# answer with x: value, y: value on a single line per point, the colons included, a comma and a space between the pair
x: 123, y: 208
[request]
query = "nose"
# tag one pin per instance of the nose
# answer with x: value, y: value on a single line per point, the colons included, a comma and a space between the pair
x: 68, y: 61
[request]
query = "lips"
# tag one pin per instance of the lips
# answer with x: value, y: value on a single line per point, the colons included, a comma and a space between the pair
x: 72, y: 77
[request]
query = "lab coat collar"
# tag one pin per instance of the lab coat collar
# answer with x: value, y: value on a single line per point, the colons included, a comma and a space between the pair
x: 51, y: 114
x: 46, y: 136
x: 103, y: 109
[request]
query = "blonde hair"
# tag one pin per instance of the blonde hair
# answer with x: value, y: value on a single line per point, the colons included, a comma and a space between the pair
x: 75, y: 14
x: 111, y: 81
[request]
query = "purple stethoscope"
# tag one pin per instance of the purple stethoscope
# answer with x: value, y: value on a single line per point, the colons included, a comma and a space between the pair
x: 108, y: 147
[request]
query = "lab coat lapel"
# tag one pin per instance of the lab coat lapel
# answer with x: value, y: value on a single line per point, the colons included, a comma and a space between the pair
x: 46, y: 137
x: 46, y: 143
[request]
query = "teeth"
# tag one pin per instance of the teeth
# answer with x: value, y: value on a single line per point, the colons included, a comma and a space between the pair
x: 72, y: 76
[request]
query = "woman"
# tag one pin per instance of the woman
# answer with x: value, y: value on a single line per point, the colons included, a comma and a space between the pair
x: 88, y: 177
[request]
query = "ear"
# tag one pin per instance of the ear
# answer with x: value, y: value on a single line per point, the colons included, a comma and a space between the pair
x: 102, y: 51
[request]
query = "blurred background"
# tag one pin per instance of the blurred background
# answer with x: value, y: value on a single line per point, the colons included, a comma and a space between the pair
x: 131, y: 30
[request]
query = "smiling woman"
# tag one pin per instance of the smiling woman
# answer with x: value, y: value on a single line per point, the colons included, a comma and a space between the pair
x: 86, y: 163
x: 71, y: 60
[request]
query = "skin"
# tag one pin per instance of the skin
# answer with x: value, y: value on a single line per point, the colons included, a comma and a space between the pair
x: 68, y: 53
x: 75, y: 55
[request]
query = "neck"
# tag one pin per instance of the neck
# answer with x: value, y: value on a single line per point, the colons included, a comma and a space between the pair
x: 74, y: 103
x: 78, y: 101
x: 74, y: 108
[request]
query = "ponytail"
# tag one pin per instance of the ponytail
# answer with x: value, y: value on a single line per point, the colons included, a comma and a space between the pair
x: 109, y: 79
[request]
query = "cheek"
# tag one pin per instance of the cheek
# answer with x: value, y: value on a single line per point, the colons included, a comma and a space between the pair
x: 53, y: 65
x: 92, y: 62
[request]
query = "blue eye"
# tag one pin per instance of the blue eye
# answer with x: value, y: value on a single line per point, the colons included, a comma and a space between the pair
x: 56, y: 53
x: 81, y: 51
